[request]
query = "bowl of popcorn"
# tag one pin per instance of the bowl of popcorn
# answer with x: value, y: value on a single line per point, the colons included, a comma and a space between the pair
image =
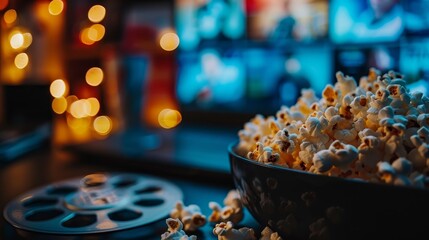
x: 352, y: 164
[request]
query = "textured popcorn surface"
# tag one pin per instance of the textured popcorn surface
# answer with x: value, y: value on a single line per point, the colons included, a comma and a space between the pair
x: 373, y: 129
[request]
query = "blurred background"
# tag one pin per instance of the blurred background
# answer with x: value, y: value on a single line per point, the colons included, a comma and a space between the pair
x: 93, y: 68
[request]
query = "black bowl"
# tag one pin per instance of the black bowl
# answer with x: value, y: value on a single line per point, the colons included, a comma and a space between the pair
x: 303, y: 205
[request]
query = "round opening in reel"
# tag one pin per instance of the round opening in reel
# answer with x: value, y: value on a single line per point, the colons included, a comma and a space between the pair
x: 97, y: 203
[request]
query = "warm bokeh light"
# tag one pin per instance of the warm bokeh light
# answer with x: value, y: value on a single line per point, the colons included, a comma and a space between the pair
x: 70, y: 99
x: 96, y: 13
x: 10, y: 16
x: 96, y: 32
x: 103, y: 125
x: 94, y: 76
x: 169, y: 41
x: 16, y: 40
x: 169, y: 118
x: 59, y: 105
x: 28, y: 39
x: 58, y: 88
x: 3, y: 4
x: 84, y: 37
x: 56, y: 7
x: 94, y: 106
x: 80, y: 108
x: 21, y: 60
x: 80, y: 125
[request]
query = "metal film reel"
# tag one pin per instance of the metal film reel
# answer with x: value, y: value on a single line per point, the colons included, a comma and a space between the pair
x: 97, y: 203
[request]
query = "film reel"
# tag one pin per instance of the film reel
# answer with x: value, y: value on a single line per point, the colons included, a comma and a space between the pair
x: 97, y: 203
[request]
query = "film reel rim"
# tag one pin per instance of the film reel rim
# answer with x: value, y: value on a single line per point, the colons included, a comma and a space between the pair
x: 15, y: 213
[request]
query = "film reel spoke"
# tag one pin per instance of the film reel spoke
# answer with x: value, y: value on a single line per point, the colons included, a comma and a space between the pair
x: 61, y: 190
x: 150, y: 189
x: 43, y: 214
x: 39, y: 202
x: 78, y: 220
x: 149, y: 202
x: 125, y: 214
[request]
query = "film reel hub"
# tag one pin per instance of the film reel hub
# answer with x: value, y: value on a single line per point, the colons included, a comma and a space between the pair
x: 96, y: 194
x: 94, y: 204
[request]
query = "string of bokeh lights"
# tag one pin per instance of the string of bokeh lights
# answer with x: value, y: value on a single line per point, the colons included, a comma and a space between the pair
x: 81, y: 114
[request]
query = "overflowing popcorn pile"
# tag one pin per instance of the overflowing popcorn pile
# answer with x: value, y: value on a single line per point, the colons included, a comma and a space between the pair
x: 377, y: 131
x: 188, y: 219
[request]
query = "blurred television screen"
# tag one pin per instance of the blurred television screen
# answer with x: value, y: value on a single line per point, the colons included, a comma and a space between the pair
x: 211, y: 77
x: 414, y: 64
x: 288, y: 74
x: 356, y: 61
x: 417, y: 17
x: 256, y: 55
x: 287, y: 20
x: 203, y: 20
x: 376, y: 20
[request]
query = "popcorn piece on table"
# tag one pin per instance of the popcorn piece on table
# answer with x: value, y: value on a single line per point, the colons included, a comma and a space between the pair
x: 232, y: 211
x: 190, y: 216
x: 268, y: 234
x: 225, y: 231
x: 175, y: 232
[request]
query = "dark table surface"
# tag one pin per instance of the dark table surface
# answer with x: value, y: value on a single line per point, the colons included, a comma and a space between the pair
x: 49, y: 165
